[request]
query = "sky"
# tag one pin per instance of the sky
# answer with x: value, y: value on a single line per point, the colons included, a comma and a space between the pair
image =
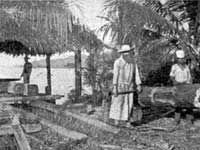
x: 90, y: 10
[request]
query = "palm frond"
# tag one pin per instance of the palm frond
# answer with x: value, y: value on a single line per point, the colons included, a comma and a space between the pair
x: 133, y: 19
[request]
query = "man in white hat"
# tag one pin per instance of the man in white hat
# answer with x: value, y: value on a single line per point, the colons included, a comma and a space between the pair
x: 26, y: 73
x: 124, y: 71
x: 180, y: 72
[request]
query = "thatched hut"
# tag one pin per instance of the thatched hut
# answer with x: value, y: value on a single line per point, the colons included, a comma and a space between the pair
x: 35, y: 27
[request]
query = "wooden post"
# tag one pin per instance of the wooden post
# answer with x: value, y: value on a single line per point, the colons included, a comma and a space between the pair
x: 48, y: 64
x: 78, y: 76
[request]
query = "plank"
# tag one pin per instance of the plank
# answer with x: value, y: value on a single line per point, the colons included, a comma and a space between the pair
x: 91, y: 121
x: 21, y: 138
x: 11, y: 100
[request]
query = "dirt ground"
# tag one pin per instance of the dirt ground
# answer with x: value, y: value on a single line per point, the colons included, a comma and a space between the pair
x: 154, y: 134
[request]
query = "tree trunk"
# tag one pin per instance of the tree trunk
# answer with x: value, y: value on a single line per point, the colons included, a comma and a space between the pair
x: 197, y: 22
x: 121, y: 38
x: 48, y: 63
x: 179, y: 96
x: 92, y: 54
x: 78, y: 77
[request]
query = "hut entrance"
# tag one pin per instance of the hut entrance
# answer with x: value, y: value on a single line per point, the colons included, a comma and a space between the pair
x: 16, y: 48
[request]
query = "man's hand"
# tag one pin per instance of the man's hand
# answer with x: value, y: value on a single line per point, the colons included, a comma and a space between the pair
x: 139, y: 88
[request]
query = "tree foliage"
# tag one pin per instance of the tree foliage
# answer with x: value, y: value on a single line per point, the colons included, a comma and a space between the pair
x: 155, y: 28
x: 127, y: 19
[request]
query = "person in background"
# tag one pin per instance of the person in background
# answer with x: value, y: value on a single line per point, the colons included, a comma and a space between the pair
x: 26, y: 73
x: 180, y: 72
x: 181, y: 75
x: 124, y: 73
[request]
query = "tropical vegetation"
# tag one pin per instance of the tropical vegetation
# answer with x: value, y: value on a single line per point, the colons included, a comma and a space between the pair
x: 156, y: 27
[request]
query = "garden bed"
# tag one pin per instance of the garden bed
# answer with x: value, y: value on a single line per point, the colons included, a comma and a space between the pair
x: 155, y: 134
x: 45, y: 139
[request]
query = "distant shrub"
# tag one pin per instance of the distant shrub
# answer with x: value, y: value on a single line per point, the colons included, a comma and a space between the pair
x: 85, y: 98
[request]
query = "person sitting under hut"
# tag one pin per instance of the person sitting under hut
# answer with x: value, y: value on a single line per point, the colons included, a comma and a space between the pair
x: 180, y: 72
x: 26, y: 73
x: 124, y: 73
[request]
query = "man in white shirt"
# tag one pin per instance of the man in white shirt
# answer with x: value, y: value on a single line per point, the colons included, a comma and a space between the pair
x: 124, y: 71
x: 180, y: 72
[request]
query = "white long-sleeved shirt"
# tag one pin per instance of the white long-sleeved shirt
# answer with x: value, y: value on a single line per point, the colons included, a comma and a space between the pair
x: 123, y: 72
x: 181, y: 75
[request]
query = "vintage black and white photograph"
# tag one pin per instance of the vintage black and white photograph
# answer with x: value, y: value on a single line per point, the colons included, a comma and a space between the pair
x: 99, y: 75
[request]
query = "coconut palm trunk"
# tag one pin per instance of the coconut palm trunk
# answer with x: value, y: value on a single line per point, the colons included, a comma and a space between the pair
x: 94, y: 91
x: 78, y: 77
x: 196, y: 26
x: 48, y: 65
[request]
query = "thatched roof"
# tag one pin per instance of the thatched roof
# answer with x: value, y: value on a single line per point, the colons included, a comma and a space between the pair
x: 43, y: 26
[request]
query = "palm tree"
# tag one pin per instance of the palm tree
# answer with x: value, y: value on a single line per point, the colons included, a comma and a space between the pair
x: 127, y: 21
x: 131, y: 23
x: 179, y: 12
x: 82, y: 38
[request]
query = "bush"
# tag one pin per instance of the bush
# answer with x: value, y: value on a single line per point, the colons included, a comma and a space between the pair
x: 98, y: 75
x: 85, y: 98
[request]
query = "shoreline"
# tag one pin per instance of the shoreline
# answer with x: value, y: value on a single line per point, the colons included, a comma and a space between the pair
x: 38, y: 67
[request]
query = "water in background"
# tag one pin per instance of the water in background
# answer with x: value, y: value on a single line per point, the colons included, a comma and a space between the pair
x: 62, y: 79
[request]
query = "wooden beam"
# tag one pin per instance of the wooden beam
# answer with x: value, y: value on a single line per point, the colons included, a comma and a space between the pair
x: 11, y: 100
x: 78, y: 76
x: 91, y: 121
x: 21, y: 138
x: 48, y: 63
